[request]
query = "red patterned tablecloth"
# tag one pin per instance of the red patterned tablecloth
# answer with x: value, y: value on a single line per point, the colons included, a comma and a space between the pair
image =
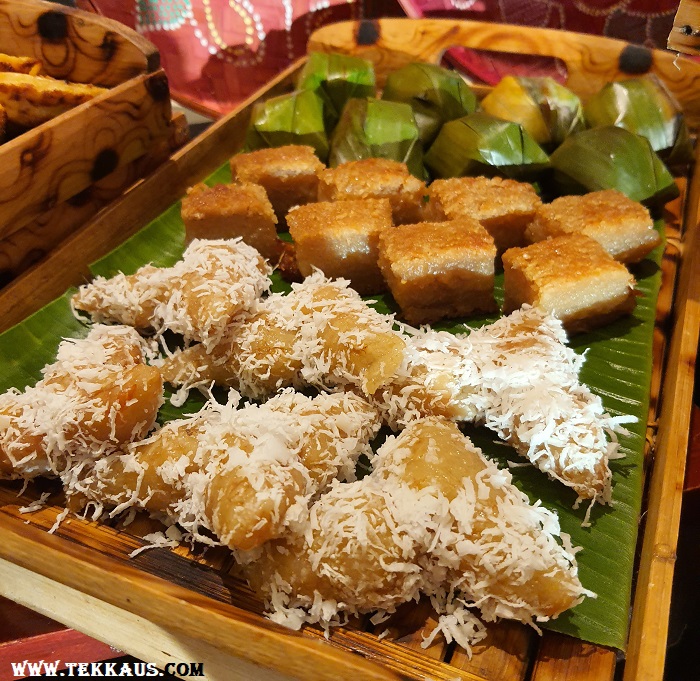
x: 218, y: 52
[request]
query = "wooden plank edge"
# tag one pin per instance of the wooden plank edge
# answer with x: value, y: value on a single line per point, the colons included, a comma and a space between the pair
x: 137, y: 636
x: 139, y: 50
x: 68, y: 264
x: 181, y: 612
x: 649, y: 625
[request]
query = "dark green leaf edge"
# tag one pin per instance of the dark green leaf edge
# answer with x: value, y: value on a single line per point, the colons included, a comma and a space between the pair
x: 618, y: 368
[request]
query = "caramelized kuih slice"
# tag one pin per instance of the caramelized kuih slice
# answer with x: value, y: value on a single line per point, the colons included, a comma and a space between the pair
x: 375, y: 178
x: 439, y: 269
x: 226, y: 211
x: 572, y: 277
x: 623, y: 227
x: 504, y: 207
x: 288, y: 174
x: 341, y: 238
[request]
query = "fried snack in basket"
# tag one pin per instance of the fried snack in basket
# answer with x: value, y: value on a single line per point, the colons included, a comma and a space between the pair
x: 235, y: 473
x: 322, y: 334
x: 197, y: 297
x: 434, y: 517
x: 98, y: 395
x: 32, y: 100
x: 20, y: 64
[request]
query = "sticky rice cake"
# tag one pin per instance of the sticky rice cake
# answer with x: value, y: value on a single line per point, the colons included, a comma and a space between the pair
x: 341, y: 238
x: 622, y: 226
x: 504, y: 207
x: 225, y: 211
x: 572, y: 277
x: 438, y: 270
x: 376, y: 178
x: 289, y: 175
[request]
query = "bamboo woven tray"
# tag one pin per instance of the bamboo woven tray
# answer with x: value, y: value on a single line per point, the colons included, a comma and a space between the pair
x: 165, y: 606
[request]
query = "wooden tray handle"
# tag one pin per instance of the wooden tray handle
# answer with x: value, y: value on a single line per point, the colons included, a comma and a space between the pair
x: 591, y: 61
x: 73, y: 44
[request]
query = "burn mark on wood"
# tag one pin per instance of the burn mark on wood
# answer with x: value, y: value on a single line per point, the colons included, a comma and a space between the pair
x: 105, y: 162
x: 53, y: 26
x: 158, y: 87
x: 635, y: 59
x: 109, y: 46
x: 368, y: 33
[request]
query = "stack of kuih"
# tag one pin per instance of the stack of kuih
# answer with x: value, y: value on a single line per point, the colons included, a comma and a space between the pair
x: 333, y: 467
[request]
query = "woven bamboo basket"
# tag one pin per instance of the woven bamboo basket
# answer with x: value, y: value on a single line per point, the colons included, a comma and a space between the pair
x: 165, y: 606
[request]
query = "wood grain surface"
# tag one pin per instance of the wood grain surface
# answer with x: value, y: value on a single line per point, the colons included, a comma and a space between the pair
x: 48, y: 173
x: 591, y: 61
x: 198, y: 597
x: 685, y: 34
x: 74, y: 45
x: 48, y: 166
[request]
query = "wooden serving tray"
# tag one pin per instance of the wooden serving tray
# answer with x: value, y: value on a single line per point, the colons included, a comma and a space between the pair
x: 165, y: 606
x: 55, y: 177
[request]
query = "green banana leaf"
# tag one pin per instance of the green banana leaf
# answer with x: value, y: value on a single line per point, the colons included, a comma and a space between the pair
x: 294, y: 118
x: 481, y: 144
x: 435, y: 94
x: 336, y: 78
x: 618, y: 368
x: 548, y: 111
x: 644, y: 106
x: 374, y: 128
x: 612, y: 158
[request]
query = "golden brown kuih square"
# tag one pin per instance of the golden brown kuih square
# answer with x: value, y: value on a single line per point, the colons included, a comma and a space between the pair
x: 622, y: 226
x: 438, y: 270
x: 289, y: 175
x: 376, y: 178
x: 505, y: 207
x: 341, y: 238
x: 572, y: 277
x: 226, y: 211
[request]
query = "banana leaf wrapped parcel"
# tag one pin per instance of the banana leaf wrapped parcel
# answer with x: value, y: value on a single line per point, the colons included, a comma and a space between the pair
x: 549, y: 111
x: 374, y: 128
x: 644, y: 106
x: 436, y: 95
x: 295, y: 118
x: 336, y: 78
x: 612, y: 158
x: 481, y: 144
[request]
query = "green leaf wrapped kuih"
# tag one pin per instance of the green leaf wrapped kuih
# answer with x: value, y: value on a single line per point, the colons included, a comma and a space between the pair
x: 436, y: 95
x: 481, y: 144
x: 295, y: 118
x: 612, y: 158
x: 336, y: 78
x: 646, y: 107
x: 374, y: 128
x: 549, y: 111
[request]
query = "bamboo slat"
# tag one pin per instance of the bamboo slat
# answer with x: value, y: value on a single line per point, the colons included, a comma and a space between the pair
x: 649, y: 628
x: 195, y: 602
